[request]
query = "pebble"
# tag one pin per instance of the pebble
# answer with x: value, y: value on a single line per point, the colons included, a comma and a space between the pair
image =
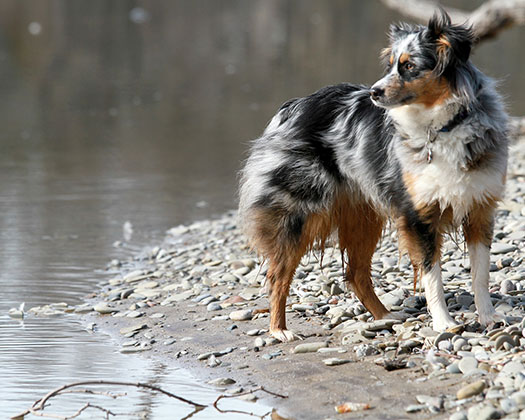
x: 222, y: 382
x: 241, y: 315
x: 459, y: 415
x: 133, y: 329
x: 259, y: 342
x: 214, y: 306
x: 381, y: 324
x: 502, y: 248
x: 335, y: 361
x: 482, y: 412
x: 309, y: 347
x: 467, y: 364
x: 104, y: 308
x: 471, y: 390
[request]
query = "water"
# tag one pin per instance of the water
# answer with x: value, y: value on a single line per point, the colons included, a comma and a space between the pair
x: 112, y: 113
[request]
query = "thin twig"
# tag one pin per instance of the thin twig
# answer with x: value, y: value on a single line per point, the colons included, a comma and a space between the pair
x: 39, y: 413
x: 40, y: 404
x: 93, y: 392
x: 220, y: 397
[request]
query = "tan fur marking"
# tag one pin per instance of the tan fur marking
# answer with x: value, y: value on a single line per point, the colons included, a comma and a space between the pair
x: 478, y: 225
x: 429, y: 90
x: 442, y: 45
x: 360, y: 228
x: 403, y: 58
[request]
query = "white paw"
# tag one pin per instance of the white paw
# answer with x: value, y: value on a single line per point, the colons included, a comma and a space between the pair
x: 284, y: 335
x: 442, y: 322
x: 491, y: 317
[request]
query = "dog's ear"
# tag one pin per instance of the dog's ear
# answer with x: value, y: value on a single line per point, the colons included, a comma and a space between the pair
x: 452, y: 42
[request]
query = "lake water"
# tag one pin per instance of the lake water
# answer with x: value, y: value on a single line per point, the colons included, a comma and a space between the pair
x: 116, y: 111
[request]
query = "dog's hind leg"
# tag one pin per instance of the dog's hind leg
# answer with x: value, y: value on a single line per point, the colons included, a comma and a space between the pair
x: 360, y: 229
x: 280, y: 275
x: 284, y: 237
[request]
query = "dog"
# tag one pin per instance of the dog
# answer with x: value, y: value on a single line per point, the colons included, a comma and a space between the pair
x: 424, y: 147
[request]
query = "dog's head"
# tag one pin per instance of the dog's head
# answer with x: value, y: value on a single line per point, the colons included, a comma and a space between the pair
x: 421, y: 63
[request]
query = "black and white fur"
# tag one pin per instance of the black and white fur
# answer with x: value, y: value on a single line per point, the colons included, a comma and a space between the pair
x: 425, y: 146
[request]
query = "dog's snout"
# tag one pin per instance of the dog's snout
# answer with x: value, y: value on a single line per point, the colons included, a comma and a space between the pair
x: 376, y: 92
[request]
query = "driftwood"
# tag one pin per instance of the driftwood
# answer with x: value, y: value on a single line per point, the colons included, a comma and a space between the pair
x: 37, y: 409
x: 487, y: 21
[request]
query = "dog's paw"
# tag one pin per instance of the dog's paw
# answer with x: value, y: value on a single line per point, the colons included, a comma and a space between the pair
x: 488, y: 319
x: 442, y: 323
x: 284, y: 335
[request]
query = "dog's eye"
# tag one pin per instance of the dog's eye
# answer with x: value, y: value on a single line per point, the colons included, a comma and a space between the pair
x: 409, y: 66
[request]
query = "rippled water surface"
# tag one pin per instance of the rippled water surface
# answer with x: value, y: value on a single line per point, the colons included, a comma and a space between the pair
x: 116, y: 111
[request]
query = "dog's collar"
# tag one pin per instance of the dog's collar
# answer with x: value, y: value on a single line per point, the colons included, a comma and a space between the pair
x: 455, y: 121
x: 432, y: 134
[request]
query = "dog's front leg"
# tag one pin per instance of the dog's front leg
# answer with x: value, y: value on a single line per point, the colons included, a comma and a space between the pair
x: 436, y: 298
x: 419, y: 234
x: 478, y: 229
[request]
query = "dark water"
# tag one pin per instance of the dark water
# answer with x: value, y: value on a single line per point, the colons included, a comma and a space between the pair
x: 115, y: 111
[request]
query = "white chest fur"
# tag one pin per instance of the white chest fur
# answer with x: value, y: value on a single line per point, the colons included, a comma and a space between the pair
x: 446, y: 179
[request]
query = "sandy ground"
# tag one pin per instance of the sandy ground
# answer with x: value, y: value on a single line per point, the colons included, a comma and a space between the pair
x: 313, y: 389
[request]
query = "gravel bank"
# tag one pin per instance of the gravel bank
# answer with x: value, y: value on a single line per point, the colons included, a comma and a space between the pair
x: 196, y: 300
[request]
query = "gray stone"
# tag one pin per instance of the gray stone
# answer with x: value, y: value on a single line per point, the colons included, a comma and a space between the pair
x: 241, y: 315
x: 104, y: 308
x: 459, y: 344
x: 482, y: 412
x: 259, y: 342
x: 460, y: 415
x: 453, y: 368
x: 502, y: 248
x: 133, y: 329
x: 392, y: 299
x: 335, y: 361
x: 467, y: 364
x: 443, y: 336
x: 508, y: 405
x: 465, y: 300
x: 507, y: 286
x: 214, y: 306
x: 309, y: 347
x: 381, y: 324
x: 512, y: 368
x: 414, y: 408
x: 222, y: 382
x: 364, y: 350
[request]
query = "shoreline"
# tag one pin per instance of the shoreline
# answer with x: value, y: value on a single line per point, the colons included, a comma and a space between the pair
x: 195, y: 300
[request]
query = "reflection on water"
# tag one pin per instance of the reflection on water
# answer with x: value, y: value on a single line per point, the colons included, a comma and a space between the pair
x: 116, y: 111
x: 53, y: 359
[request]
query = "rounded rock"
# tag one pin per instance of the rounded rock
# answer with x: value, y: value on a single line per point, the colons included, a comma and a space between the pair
x: 467, y: 364
x: 241, y: 315
x: 470, y: 390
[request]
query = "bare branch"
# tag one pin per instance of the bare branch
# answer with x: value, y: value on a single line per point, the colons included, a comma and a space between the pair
x: 253, y: 391
x: 40, y: 404
x: 422, y: 10
x: 487, y: 21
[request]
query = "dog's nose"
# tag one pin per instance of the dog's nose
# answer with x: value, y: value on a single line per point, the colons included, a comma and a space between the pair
x: 376, y: 92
